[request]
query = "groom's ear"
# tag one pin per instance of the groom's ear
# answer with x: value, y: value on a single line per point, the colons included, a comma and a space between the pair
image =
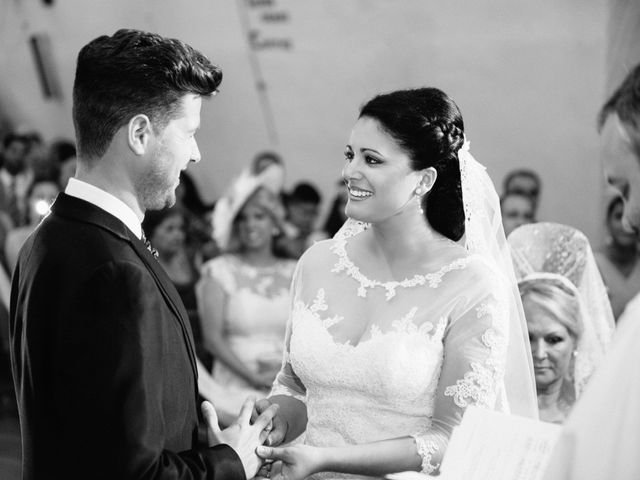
x: 139, y: 133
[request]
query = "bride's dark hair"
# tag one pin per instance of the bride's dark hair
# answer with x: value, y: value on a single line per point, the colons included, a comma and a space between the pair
x: 428, y: 125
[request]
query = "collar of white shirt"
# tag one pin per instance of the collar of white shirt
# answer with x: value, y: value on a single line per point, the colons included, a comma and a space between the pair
x: 105, y: 201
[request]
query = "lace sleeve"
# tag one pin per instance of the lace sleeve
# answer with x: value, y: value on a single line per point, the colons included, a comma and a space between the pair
x: 472, y: 372
x: 287, y: 382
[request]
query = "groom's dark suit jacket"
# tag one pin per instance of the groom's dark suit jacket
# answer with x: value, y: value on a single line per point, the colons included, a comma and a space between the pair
x: 103, y: 357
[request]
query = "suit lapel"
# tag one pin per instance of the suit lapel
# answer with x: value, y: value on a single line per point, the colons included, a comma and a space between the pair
x: 168, y: 291
x: 83, y: 211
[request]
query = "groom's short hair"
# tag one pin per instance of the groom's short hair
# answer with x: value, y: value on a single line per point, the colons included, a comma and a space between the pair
x: 625, y: 103
x: 130, y: 73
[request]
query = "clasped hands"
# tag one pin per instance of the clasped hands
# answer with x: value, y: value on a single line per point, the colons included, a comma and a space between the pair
x: 258, y: 424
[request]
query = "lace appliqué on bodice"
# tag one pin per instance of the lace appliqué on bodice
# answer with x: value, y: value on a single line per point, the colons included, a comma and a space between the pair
x: 384, y: 385
x: 344, y: 264
x: 392, y: 382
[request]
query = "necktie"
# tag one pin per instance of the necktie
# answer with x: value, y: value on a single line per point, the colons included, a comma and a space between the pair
x: 14, y: 210
x: 147, y: 243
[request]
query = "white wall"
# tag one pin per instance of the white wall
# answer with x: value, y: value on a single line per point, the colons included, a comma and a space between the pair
x: 528, y: 76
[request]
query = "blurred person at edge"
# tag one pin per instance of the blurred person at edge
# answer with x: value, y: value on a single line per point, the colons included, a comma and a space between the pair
x: 601, y: 436
x: 618, y: 259
x: 517, y: 210
x: 15, y: 176
x: 40, y: 195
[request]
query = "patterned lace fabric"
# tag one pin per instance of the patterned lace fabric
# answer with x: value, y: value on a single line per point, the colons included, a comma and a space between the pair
x: 379, y: 366
x: 256, y: 308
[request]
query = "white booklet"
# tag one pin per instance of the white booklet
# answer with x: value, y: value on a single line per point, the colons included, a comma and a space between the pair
x: 489, y: 445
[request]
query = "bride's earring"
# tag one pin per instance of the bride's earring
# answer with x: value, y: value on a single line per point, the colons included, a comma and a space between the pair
x: 421, y: 189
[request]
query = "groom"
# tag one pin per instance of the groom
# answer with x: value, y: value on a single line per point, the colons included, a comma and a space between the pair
x: 102, y: 352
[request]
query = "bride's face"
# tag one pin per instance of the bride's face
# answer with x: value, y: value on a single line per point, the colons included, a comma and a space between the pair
x: 379, y: 178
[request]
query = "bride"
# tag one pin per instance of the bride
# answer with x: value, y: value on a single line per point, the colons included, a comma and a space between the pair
x: 410, y: 314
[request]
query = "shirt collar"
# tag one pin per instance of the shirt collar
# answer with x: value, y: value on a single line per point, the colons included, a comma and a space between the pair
x: 105, y: 201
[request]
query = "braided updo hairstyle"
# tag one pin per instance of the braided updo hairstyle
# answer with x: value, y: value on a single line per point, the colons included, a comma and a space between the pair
x: 427, y: 124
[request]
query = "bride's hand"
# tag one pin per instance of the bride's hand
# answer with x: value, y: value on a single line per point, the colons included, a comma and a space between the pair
x: 291, y: 463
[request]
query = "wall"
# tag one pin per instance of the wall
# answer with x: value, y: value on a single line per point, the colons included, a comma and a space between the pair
x: 529, y: 78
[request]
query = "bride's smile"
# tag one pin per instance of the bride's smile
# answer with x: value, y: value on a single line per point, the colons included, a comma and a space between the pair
x: 378, y: 173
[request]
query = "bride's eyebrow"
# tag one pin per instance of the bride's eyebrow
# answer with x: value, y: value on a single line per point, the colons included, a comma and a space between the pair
x: 370, y: 150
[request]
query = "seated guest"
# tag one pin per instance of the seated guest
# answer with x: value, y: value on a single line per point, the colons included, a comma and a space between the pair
x: 337, y: 216
x: 197, y: 216
x: 40, y: 195
x: 243, y: 294
x: 567, y: 310
x: 618, y: 259
x: 271, y: 161
x: 15, y: 177
x: 165, y: 230
x: 526, y: 182
x: 302, y: 207
x: 63, y: 154
x: 517, y: 209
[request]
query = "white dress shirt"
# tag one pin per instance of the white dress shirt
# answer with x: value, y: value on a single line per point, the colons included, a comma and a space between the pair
x: 105, y: 201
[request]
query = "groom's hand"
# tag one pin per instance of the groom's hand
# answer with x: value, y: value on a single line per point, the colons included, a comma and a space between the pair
x: 242, y: 435
x: 277, y: 430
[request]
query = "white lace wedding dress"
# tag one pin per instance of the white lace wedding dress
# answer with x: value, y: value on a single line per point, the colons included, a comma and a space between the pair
x: 375, y: 359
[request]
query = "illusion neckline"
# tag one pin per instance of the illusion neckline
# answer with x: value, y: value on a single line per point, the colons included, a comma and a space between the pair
x: 432, y: 279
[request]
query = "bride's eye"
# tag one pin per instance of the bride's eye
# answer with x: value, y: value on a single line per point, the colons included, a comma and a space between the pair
x: 371, y: 160
x: 348, y: 155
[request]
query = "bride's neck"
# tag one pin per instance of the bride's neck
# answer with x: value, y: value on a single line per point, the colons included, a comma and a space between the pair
x: 405, y: 234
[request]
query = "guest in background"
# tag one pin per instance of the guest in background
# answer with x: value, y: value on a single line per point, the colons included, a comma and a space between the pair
x: 40, y: 195
x: 517, y: 209
x: 39, y: 159
x: 165, y: 229
x: 568, y: 314
x: 63, y: 154
x: 303, y: 207
x: 243, y: 295
x: 618, y: 259
x: 337, y: 216
x: 264, y: 160
x: 197, y: 220
x: 15, y: 177
x: 524, y: 181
